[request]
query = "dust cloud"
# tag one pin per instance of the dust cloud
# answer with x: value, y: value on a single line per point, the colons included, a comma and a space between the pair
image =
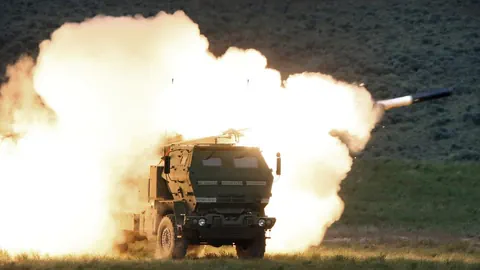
x: 84, y: 120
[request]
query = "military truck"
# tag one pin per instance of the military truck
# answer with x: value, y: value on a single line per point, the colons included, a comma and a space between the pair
x: 209, y: 191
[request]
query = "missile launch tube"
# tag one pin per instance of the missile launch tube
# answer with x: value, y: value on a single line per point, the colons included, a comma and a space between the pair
x: 404, y: 101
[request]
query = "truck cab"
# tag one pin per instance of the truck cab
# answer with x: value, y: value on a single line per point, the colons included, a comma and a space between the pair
x: 207, y: 194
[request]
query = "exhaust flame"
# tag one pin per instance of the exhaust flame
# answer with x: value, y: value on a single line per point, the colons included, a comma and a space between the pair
x: 109, y: 89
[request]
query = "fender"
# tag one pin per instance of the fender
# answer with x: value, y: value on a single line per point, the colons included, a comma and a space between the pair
x: 163, y: 209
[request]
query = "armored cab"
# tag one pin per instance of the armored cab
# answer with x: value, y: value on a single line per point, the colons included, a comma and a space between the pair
x: 206, y: 192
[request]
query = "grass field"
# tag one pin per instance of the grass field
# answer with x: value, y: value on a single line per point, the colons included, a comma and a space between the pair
x: 413, y: 196
x: 398, y: 215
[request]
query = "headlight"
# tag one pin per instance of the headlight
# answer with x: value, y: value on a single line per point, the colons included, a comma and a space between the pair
x: 261, y: 222
x: 201, y: 222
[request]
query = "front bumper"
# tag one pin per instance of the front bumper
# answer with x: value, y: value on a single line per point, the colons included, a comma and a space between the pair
x: 214, y: 227
x: 220, y: 221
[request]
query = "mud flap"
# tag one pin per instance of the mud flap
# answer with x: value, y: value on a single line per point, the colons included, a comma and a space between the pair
x: 180, y: 210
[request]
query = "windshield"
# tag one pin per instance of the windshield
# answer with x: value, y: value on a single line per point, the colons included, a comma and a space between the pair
x: 212, y: 162
x: 222, y: 171
x: 242, y: 158
x: 245, y: 162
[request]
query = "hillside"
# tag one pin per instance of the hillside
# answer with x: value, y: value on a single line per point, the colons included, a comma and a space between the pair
x: 384, y: 198
x: 394, y: 47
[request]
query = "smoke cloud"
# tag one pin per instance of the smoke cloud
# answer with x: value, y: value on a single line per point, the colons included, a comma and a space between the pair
x: 94, y: 106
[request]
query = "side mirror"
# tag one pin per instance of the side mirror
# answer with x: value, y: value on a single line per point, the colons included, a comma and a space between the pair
x: 279, y: 164
x: 166, y: 167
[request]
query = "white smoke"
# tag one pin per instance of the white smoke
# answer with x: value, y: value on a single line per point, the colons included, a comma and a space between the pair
x: 116, y: 84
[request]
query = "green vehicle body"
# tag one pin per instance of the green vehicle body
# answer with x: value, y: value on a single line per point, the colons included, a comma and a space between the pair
x: 206, y: 193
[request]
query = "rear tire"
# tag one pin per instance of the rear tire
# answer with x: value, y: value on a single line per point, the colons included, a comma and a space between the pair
x: 167, y: 245
x: 253, y: 249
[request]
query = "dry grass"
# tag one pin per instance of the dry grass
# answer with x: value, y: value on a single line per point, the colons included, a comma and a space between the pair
x: 317, y: 258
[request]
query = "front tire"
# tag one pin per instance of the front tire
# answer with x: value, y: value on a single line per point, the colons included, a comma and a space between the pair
x: 167, y: 245
x: 253, y: 249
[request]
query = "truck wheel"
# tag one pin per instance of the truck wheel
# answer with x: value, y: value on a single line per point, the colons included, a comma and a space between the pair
x: 253, y: 249
x: 167, y: 245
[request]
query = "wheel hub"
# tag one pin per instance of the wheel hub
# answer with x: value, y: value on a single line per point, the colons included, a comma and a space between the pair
x: 166, y: 240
